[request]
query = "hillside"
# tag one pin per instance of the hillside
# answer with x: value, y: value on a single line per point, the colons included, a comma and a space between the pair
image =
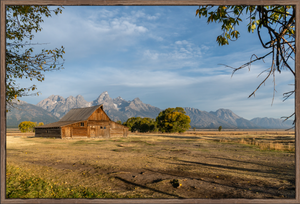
x: 27, y: 112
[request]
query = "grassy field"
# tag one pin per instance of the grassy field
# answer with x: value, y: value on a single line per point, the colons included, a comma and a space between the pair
x: 196, y: 164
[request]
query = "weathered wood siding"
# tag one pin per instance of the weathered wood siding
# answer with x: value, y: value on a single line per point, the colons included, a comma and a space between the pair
x: 75, y: 125
x: 99, y: 129
x: 80, y: 131
x: 48, y: 132
x: 116, y: 132
x: 101, y: 123
x: 125, y: 132
x: 99, y: 114
x: 116, y: 125
x: 66, y: 132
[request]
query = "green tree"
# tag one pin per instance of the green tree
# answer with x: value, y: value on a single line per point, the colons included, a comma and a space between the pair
x: 173, y: 120
x: 147, y: 125
x: 131, y: 123
x: 141, y: 124
x: 220, y: 128
x: 22, y: 61
x: 276, y: 22
x: 119, y: 121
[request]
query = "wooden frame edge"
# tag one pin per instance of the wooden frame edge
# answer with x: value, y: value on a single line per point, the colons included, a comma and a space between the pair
x: 144, y: 3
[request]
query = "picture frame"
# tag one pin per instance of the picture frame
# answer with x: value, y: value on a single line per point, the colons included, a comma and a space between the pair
x: 5, y: 3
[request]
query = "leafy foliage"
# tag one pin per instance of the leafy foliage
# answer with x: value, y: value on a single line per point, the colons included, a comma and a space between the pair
x: 147, y: 125
x: 22, y: 61
x: 173, y: 120
x: 28, y: 126
x: 220, y: 128
x: 141, y: 124
x: 278, y: 24
x: 131, y: 122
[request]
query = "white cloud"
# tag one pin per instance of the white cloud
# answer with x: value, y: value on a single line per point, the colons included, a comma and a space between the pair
x: 141, y: 14
x: 88, y: 31
x: 142, y: 78
x: 102, y: 13
x: 117, y: 27
x: 155, y: 37
x: 181, y: 42
x: 176, y: 55
x: 151, y: 55
x: 127, y: 49
x: 155, y: 17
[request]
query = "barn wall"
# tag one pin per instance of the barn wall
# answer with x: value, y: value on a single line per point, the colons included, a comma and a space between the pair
x: 99, y: 114
x: 66, y: 132
x: 125, y: 132
x: 76, y: 125
x: 48, y: 132
x: 100, y: 129
x: 116, y: 125
x: 75, y: 130
x: 79, y: 132
x: 99, y: 123
x: 116, y: 132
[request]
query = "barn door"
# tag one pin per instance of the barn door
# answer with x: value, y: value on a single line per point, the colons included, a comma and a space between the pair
x: 106, y: 131
x: 101, y: 132
x: 98, y: 133
x: 92, y: 132
x: 67, y: 132
x: 124, y: 132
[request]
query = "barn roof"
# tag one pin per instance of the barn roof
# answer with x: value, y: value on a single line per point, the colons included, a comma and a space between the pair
x: 73, y: 116
x: 79, y: 114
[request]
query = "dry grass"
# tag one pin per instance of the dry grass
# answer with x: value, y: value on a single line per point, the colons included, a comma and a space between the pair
x: 148, y: 166
x: 263, y: 145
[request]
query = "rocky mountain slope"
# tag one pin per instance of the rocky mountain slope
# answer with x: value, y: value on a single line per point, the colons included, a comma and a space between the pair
x: 116, y: 109
x: 203, y: 119
x: 59, y: 106
x: 272, y: 123
x: 233, y: 119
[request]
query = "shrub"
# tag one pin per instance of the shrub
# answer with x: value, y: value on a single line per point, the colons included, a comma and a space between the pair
x: 141, y: 124
x: 28, y: 126
x: 173, y: 120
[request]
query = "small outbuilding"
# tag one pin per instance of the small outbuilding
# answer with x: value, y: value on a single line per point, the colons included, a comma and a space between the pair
x: 87, y: 122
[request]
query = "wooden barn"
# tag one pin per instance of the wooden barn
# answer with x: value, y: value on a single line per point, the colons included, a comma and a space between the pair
x: 87, y: 122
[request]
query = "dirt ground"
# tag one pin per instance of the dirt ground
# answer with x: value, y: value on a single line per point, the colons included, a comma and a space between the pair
x: 191, y: 165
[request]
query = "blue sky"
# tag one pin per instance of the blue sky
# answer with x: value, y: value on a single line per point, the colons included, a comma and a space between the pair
x: 164, y: 55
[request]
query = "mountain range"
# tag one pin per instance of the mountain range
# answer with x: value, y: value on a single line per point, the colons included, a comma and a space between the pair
x: 54, y: 107
x: 23, y: 111
x: 116, y: 109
